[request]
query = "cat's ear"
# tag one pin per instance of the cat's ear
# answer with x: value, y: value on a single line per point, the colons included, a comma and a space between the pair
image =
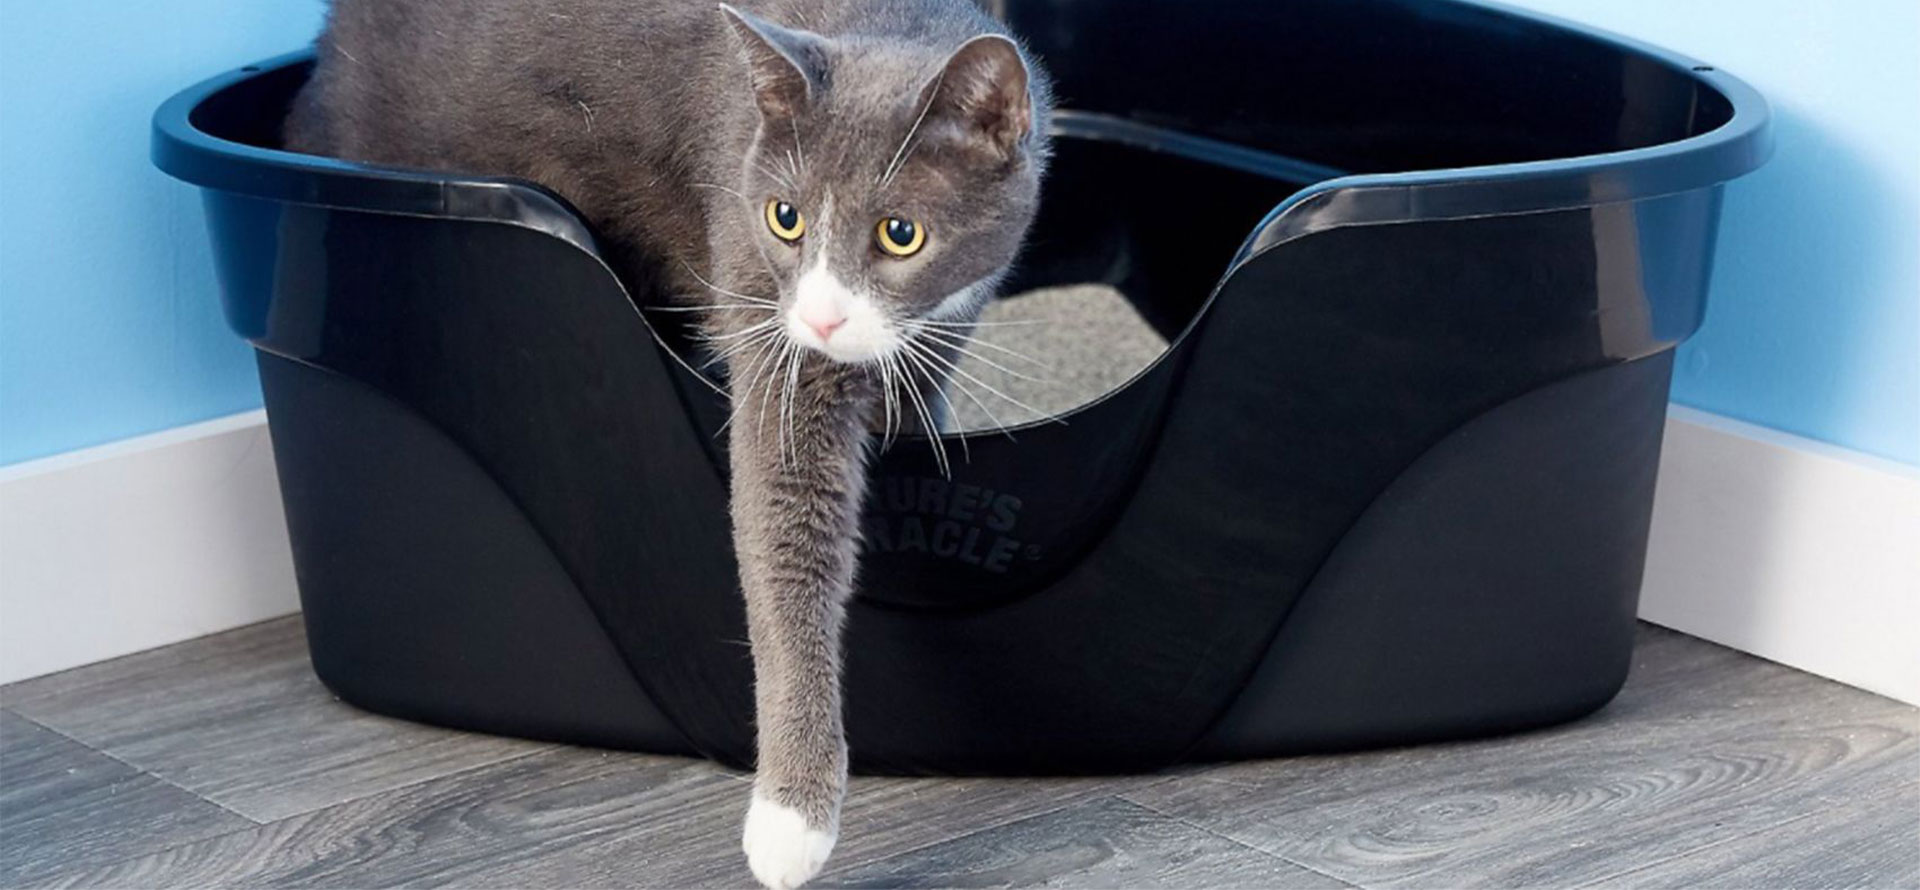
x: 786, y: 65
x: 983, y: 91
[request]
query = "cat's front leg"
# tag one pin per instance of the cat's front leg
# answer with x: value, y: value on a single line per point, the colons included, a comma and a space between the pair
x: 798, y: 452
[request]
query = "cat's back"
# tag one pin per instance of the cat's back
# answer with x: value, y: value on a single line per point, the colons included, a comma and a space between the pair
x: 505, y: 86
x: 482, y: 84
x: 627, y: 108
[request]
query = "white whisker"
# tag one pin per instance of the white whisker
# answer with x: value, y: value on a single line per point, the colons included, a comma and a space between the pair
x: 744, y: 383
x: 887, y: 383
x: 758, y: 326
x: 940, y: 389
x: 776, y: 175
x: 953, y: 337
x: 716, y: 307
x: 741, y: 346
x: 928, y: 353
x: 900, y: 154
x: 981, y: 324
x: 956, y: 347
x: 998, y: 425
x: 789, y: 434
x: 772, y: 359
x: 721, y: 290
x: 933, y: 434
x: 715, y: 185
x: 675, y: 355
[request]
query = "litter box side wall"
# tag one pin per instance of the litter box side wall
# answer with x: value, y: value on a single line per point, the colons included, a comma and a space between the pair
x: 450, y: 400
x: 1393, y: 351
x: 1470, y: 440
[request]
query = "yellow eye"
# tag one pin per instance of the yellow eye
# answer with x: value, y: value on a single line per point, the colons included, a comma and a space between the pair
x: 785, y: 220
x: 900, y: 237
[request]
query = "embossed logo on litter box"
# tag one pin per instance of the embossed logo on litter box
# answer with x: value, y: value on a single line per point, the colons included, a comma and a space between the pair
x: 958, y: 521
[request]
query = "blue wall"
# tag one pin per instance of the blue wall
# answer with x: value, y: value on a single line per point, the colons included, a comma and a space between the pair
x: 1814, y: 320
x: 109, y: 328
x: 108, y: 322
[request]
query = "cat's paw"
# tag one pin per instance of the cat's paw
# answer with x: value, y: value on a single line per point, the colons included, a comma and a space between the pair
x: 781, y: 850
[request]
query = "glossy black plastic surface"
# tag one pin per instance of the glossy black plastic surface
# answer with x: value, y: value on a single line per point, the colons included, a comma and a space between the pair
x: 1422, y: 263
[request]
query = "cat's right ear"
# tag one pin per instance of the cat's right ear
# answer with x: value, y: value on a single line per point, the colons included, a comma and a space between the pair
x: 786, y: 65
x: 984, y: 91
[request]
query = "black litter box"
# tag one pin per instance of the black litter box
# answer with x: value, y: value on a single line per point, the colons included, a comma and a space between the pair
x: 1423, y: 265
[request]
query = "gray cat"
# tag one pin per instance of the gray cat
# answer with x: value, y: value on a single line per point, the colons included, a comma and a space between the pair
x: 834, y: 196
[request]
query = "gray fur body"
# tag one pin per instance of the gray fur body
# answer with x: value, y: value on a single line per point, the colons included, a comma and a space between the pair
x: 671, y: 124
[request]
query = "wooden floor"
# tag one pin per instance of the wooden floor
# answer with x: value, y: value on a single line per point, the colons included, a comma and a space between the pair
x: 222, y: 762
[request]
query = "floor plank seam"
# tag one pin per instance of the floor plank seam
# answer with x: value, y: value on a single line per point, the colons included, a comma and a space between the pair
x: 1234, y: 840
x: 856, y: 862
x: 1733, y: 796
x: 257, y: 824
x: 1685, y: 854
x: 60, y: 876
x: 491, y: 764
x: 64, y: 877
x: 141, y: 770
x: 107, y: 665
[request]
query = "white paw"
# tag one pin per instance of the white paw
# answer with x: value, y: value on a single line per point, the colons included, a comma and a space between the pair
x: 781, y: 850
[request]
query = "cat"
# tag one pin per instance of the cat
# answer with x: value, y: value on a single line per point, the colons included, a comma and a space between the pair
x: 833, y: 187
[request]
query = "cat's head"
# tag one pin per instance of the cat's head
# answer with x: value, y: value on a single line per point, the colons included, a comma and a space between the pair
x: 890, y: 184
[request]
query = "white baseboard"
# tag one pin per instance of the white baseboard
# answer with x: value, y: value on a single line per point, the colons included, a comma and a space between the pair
x: 1790, y: 549
x: 1784, y: 547
x: 141, y: 543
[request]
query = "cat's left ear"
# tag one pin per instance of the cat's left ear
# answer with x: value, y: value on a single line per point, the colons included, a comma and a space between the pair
x: 787, y: 66
x: 983, y: 89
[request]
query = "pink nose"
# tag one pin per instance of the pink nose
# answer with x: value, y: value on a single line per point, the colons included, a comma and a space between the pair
x: 825, y: 325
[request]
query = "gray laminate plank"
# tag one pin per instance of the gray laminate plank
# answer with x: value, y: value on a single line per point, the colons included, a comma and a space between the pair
x: 1100, y: 844
x: 240, y: 719
x: 1875, y: 844
x: 883, y: 816
x: 61, y: 803
x: 1704, y: 746
x: 550, y: 806
x: 568, y: 817
x: 1708, y: 753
